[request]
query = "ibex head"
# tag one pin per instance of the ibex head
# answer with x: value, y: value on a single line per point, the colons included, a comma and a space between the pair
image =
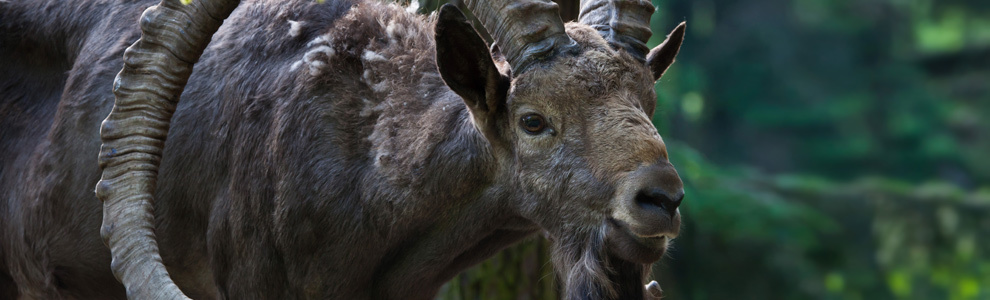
x: 567, y: 110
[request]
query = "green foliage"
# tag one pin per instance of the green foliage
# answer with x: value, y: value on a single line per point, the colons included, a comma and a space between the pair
x: 811, y: 238
x: 829, y: 149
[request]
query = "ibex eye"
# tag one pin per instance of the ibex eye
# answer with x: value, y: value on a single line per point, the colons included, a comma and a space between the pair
x: 533, y: 123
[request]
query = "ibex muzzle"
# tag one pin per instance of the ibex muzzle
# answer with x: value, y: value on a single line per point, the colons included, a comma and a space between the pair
x: 646, y: 211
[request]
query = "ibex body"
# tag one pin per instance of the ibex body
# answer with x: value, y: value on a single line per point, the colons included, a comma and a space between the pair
x: 348, y: 150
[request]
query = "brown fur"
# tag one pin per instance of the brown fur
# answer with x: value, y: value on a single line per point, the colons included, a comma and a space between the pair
x: 316, y: 153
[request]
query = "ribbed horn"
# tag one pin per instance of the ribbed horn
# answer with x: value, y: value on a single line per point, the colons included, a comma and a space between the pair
x: 156, y: 69
x: 524, y: 30
x: 623, y: 23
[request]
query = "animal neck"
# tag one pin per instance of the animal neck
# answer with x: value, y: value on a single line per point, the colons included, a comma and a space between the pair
x: 446, y: 175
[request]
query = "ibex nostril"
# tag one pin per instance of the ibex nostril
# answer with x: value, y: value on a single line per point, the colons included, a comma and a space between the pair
x: 660, y: 198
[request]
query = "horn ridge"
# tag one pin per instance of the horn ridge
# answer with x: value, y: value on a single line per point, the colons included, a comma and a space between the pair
x: 625, y: 24
x: 155, y: 71
x: 525, y: 31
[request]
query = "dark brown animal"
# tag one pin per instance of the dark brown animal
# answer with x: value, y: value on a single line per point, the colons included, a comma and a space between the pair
x: 349, y: 150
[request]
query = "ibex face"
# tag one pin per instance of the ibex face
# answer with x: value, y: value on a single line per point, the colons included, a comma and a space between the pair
x: 567, y: 112
x: 585, y: 149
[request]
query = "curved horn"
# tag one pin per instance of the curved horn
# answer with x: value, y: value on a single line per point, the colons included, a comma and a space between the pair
x: 524, y: 31
x: 623, y: 23
x: 156, y: 69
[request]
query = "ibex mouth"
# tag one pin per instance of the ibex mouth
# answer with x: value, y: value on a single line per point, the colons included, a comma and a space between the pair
x: 628, y: 246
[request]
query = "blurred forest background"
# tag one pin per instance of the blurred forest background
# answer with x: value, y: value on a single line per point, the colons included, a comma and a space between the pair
x: 831, y: 149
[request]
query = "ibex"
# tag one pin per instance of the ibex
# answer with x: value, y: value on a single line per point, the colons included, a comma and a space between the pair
x: 348, y: 150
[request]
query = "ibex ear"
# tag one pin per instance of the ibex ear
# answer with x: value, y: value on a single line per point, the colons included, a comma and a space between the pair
x: 467, y: 67
x: 661, y: 57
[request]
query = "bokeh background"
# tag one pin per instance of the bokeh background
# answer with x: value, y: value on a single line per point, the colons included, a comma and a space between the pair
x: 831, y: 149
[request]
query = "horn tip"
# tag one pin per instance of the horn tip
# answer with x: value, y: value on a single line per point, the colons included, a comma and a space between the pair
x: 678, y: 32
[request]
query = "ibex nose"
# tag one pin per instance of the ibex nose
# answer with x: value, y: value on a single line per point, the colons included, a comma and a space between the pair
x: 659, y: 197
x: 649, y: 199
